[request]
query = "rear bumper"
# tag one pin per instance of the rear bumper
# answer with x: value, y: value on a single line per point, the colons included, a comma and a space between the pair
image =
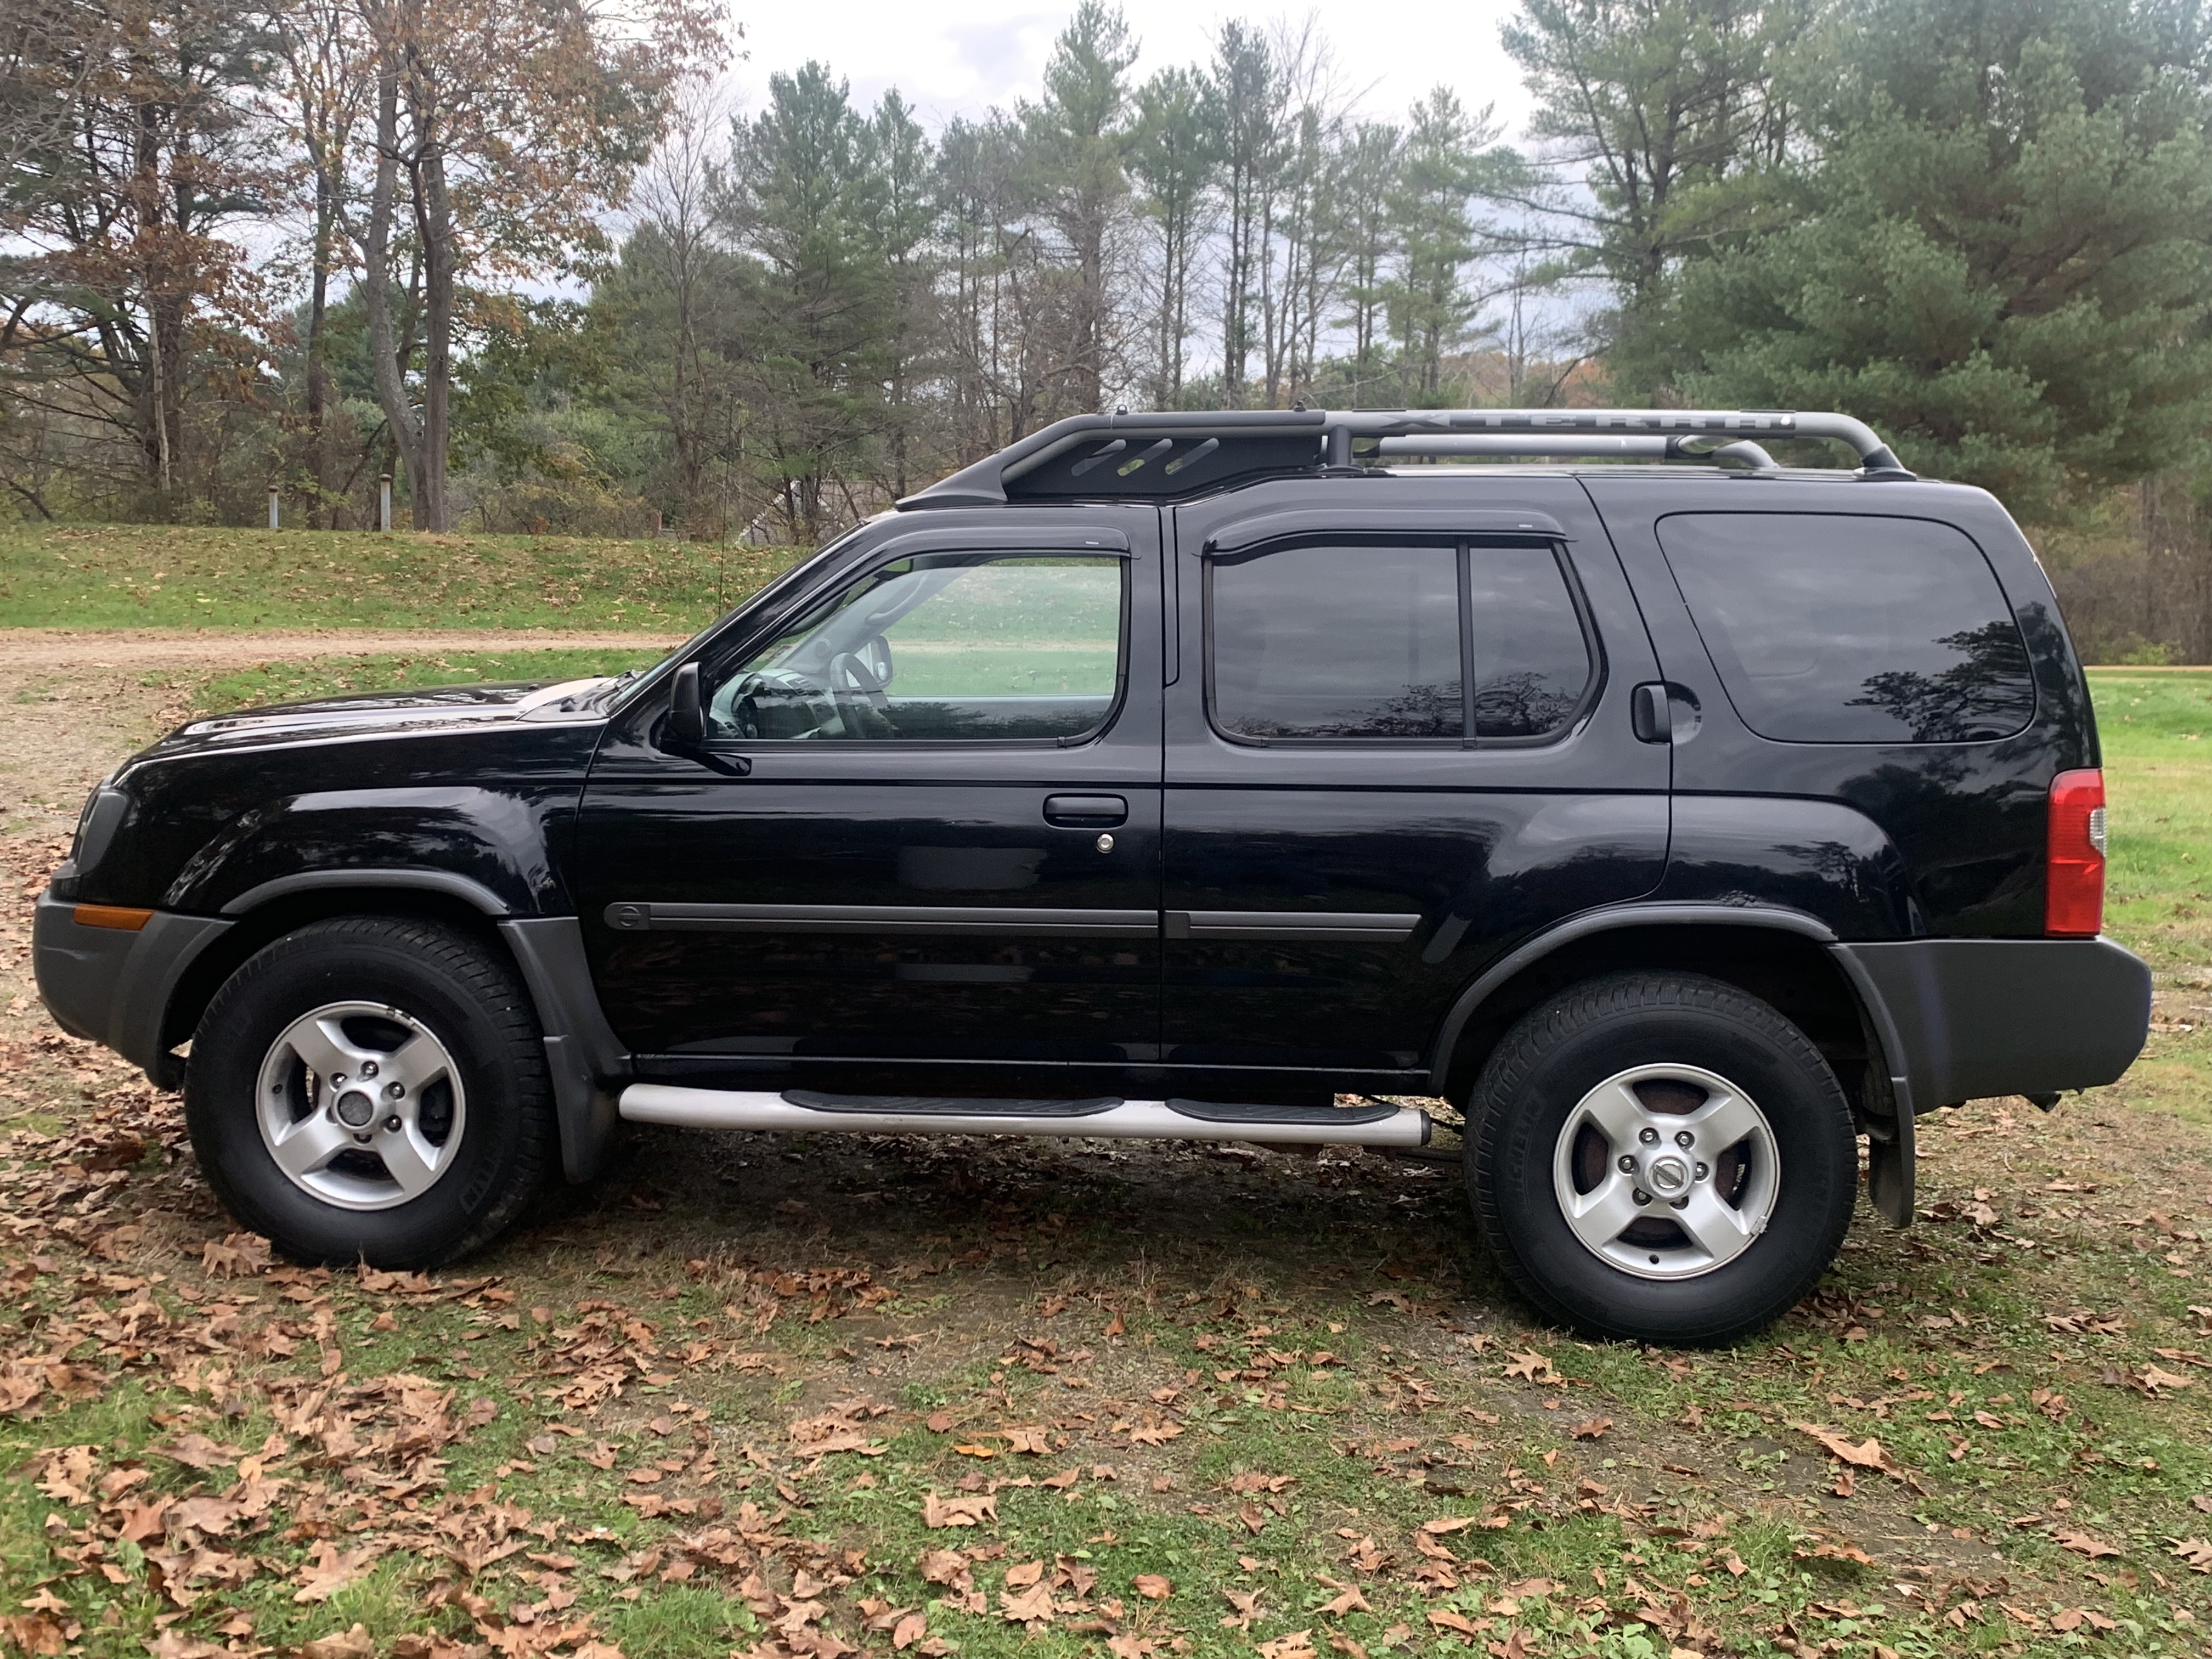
x: 1971, y: 1018
x: 110, y: 986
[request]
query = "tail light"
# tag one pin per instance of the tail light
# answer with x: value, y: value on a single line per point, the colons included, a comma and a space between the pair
x: 2073, y: 866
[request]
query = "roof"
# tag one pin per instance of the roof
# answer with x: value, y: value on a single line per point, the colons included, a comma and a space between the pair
x: 1169, y: 455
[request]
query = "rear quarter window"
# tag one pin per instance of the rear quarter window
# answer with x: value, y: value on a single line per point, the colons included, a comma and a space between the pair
x: 1847, y: 628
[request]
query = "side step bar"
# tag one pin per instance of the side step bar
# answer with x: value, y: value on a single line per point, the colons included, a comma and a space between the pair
x: 1116, y: 1120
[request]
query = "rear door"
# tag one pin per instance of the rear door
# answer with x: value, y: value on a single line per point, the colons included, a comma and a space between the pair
x: 925, y: 828
x: 1398, y: 741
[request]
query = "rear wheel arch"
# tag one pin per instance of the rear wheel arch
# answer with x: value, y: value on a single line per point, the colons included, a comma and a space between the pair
x: 1779, y: 956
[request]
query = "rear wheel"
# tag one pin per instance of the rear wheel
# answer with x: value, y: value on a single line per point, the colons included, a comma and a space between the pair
x: 1662, y: 1157
x: 372, y: 1089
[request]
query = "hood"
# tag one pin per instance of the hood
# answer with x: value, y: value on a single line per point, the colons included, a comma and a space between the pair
x: 443, y: 708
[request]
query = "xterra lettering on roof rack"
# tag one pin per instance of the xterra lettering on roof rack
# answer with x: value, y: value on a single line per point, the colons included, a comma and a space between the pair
x: 1177, y: 454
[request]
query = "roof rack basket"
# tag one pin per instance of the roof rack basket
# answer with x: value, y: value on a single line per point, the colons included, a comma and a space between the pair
x: 1178, y: 453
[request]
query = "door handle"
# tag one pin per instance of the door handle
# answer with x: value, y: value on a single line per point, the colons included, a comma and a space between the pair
x: 1649, y: 712
x: 1660, y: 711
x: 1085, y: 811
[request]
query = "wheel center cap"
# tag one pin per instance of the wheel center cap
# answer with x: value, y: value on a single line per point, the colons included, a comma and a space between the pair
x: 355, y: 1109
x: 1667, y: 1175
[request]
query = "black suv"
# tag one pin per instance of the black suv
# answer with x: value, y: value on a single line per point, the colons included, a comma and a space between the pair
x: 1179, y: 776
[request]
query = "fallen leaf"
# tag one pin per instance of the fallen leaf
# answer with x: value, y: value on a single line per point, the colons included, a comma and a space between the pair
x: 2069, y: 1618
x: 1152, y: 1587
x: 332, y: 1570
x: 2082, y: 1544
x: 1866, y: 1454
x: 1593, y: 1429
x: 1458, y: 1623
x: 239, y: 1255
x: 946, y: 1567
x: 2198, y: 1552
x: 1535, y: 1367
x: 353, y: 1644
x: 1032, y: 1607
x: 35, y: 1634
x: 968, y: 1510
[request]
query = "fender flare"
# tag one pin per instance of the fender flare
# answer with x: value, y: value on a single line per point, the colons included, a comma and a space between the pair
x: 470, y: 892
x: 1890, y: 1158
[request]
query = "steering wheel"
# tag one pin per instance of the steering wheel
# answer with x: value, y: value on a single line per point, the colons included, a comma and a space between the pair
x: 851, y: 682
x: 739, y: 707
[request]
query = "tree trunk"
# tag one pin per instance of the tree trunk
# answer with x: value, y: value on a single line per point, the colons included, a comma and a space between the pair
x: 319, y: 437
x: 399, y: 420
x: 439, y: 257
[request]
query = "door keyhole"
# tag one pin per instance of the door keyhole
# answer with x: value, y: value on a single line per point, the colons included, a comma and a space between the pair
x: 1105, y: 843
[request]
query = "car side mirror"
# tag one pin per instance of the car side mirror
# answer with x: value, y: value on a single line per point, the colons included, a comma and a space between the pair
x: 687, y: 711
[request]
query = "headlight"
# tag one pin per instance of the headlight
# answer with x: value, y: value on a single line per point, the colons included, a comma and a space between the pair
x: 96, y: 826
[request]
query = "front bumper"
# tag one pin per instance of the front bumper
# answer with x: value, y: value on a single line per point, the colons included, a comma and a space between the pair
x: 1972, y: 1017
x: 113, y: 986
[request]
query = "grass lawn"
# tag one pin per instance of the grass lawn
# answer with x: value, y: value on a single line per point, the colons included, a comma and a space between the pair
x: 805, y: 1400
x: 326, y: 676
x: 164, y: 576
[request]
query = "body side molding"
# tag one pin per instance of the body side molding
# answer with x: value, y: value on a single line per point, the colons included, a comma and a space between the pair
x: 1326, y: 927
x: 1013, y: 920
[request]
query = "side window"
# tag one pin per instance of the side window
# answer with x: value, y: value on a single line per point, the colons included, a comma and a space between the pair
x: 1445, y: 642
x: 1846, y: 628
x: 940, y: 647
x: 1338, y: 642
x: 1532, y: 659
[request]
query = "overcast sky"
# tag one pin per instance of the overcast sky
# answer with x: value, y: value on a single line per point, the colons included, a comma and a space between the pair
x: 962, y: 57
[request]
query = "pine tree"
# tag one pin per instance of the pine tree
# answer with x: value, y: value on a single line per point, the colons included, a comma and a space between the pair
x: 1996, y: 255
x: 1174, y: 153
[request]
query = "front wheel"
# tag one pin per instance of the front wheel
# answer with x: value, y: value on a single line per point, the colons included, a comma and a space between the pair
x: 372, y: 1089
x: 1663, y: 1158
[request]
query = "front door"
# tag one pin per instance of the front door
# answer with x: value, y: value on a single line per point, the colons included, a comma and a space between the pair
x: 924, y: 829
x: 1398, y: 743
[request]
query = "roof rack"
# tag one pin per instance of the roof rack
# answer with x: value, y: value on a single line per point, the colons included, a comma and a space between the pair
x: 1180, y: 453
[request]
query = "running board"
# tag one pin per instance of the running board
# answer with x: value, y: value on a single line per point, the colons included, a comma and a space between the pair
x: 1106, y: 1119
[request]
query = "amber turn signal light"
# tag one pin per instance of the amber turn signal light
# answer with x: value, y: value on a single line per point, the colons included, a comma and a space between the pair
x: 128, y: 918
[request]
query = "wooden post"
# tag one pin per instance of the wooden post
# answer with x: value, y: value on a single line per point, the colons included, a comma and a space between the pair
x: 383, y: 503
x: 272, y: 506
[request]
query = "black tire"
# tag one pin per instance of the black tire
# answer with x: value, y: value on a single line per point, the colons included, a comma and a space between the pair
x: 1593, y: 1032
x: 458, y: 990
